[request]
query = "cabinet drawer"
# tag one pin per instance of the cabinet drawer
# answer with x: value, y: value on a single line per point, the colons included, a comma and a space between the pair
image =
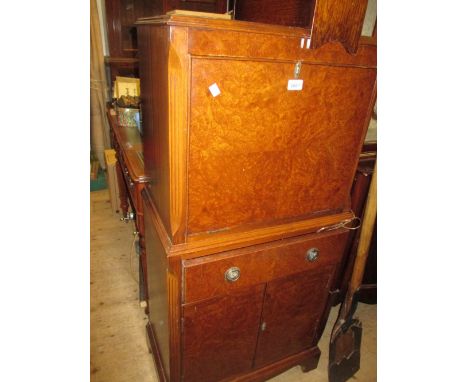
x: 218, y: 274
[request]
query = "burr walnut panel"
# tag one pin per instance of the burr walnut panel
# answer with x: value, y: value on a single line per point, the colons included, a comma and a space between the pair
x: 262, y: 154
x: 292, y: 305
x: 204, y: 277
x: 220, y: 335
x: 281, y: 46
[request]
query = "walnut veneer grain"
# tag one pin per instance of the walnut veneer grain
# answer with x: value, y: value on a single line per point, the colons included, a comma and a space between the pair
x: 262, y: 153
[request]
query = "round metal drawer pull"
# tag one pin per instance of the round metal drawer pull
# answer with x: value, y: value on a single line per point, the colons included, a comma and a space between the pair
x: 312, y: 254
x: 232, y: 274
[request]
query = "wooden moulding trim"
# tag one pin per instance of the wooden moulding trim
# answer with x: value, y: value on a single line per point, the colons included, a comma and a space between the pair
x: 157, y: 221
x: 245, y: 231
x: 228, y: 241
x: 279, y: 366
x: 201, y: 22
x: 232, y: 241
x: 155, y: 352
x: 331, y: 53
x: 287, y: 48
x: 178, y: 95
x: 174, y: 319
x: 235, y: 25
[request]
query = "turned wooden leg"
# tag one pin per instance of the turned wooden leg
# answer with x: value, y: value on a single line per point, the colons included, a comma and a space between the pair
x: 122, y: 190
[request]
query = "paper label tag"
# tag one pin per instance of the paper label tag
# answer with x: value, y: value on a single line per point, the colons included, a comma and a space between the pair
x: 295, y: 84
x: 214, y: 90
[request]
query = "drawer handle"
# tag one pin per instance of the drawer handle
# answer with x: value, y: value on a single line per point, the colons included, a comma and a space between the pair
x: 232, y: 274
x: 312, y: 254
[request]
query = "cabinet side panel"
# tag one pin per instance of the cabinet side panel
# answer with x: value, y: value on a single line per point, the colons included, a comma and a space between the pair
x: 157, y: 288
x: 153, y: 47
x: 263, y: 154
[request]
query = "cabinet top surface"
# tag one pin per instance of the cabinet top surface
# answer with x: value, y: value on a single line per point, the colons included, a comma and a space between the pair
x: 233, y: 25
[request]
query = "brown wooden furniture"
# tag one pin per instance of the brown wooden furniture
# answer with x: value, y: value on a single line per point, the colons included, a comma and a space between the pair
x: 131, y: 179
x: 121, y: 31
x: 362, y: 179
x: 249, y: 191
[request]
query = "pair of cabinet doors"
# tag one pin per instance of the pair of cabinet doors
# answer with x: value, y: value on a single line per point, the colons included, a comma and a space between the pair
x: 271, y: 312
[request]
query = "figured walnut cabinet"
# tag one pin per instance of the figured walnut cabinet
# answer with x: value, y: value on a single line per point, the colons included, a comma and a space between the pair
x: 242, y: 184
x: 275, y: 310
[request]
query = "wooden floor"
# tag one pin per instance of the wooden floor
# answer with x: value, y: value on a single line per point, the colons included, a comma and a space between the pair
x: 118, y: 345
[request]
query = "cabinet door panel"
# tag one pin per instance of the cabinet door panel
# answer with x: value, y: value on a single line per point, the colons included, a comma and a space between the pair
x: 219, y: 335
x: 292, y: 309
x: 262, y: 154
